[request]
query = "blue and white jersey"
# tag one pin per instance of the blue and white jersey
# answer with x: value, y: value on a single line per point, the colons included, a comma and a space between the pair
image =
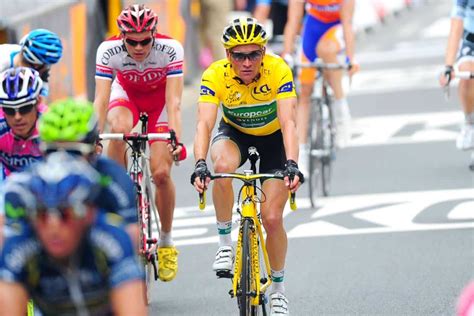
x: 117, y: 193
x: 7, y: 53
x: 104, y: 260
x: 464, y: 9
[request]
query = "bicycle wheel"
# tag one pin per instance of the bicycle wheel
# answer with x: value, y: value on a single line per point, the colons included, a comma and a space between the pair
x: 328, y: 145
x: 246, y: 285
x: 315, y: 151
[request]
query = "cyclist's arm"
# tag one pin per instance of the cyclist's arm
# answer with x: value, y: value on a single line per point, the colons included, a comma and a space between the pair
x: 101, y: 100
x: 128, y: 299
x: 207, y: 115
x: 455, y: 34
x: 347, y: 14
x: 293, y: 24
x: 13, y: 299
x: 174, y: 91
x: 286, y: 109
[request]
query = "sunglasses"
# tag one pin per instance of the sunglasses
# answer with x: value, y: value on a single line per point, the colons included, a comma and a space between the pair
x: 66, y: 214
x: 135, y: 43
x: 23, y: 110
x: 241, y: 57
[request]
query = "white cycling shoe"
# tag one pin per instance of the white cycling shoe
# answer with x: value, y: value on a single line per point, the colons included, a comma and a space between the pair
x: 465, y: 140
x: 303, y: 160
x: 278, y: 304
x: 224, y: 259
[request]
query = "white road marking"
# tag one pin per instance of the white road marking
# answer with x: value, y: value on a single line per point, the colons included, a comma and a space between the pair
x: 382, y: 130
x: 386, y: 212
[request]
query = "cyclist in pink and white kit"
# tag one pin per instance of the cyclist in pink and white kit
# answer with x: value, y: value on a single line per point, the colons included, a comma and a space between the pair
x: 148, y: 70
x: 20, y: 102
x: 20, y: 108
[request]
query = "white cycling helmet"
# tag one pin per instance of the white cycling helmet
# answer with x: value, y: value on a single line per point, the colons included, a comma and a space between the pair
x: 19, y: 86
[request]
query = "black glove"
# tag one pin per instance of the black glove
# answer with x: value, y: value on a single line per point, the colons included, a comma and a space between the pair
x: 447, y: 72
x: 200, y: 170
x: 291, y: 170
x: 45, y: 75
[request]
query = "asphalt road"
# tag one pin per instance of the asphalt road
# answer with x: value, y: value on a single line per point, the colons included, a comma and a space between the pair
x: 396, y: 237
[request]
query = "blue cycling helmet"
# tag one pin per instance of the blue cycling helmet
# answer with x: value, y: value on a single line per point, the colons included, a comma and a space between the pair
x: 41, y: 47
x: 19, y: 86
x: 62, y: 181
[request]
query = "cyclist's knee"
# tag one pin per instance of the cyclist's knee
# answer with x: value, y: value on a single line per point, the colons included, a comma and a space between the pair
x: 118, y: 125
x: 272, y: 221
x: 223, y: 165
x: 161, y: 176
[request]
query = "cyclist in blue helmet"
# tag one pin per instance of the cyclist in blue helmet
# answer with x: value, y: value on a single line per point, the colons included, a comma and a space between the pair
x: 68, y: 257
x: 38, y: 49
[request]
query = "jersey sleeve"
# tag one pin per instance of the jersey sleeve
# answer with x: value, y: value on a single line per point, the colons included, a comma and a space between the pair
x: 103, y: 69
x: 15, y: 255
x: 459, y: 9
x: 285, y: 83
x: 209, y: 86
x: 117, y: 246
x: 118, y: 191
x: 176, y: 56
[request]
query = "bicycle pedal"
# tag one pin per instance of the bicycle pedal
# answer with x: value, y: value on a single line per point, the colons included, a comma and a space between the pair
x: 224, y: 274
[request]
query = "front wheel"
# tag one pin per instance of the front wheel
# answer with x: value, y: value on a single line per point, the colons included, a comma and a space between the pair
x: 246, y: 286
x: 316, y: 151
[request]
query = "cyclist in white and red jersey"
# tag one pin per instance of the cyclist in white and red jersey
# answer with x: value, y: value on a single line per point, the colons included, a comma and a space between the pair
x: 39, y: 49
x: 148, y: 78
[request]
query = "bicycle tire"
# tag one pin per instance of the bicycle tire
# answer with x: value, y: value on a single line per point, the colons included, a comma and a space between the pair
x: 149, y: 265
x: 245, y: 282
x: 315, y: 144
x: 329, y: 134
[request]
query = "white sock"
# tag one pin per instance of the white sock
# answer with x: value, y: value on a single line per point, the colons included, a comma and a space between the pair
x: 224, y: 229
x: 166, y: 240
x: 469, y: 118
x: 341, y: 108
x: 278, y: 284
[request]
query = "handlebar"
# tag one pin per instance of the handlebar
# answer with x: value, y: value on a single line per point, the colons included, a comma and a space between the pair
x: 320, y: 64
x: 464, y: 75
x: 247, y: 178
x: 133, y: 137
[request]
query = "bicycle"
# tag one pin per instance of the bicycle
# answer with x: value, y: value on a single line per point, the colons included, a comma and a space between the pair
x: 251, y: 277
x: 322, y: 130
x: 140, y: 174
x: 466, y: 75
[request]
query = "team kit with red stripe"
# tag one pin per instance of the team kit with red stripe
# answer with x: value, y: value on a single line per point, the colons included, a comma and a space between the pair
x: 141, y: 86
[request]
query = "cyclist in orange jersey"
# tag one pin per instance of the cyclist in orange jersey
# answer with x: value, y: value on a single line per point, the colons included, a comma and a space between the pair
x: 327, y: 32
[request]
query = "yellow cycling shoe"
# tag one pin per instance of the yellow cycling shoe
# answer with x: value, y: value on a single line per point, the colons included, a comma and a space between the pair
x: 167, y: 263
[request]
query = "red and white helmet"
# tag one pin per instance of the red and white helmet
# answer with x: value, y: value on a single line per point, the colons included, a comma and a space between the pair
x: 137, y: 18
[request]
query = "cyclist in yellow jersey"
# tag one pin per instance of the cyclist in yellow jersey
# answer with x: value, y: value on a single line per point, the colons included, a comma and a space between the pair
x: 256, y: 93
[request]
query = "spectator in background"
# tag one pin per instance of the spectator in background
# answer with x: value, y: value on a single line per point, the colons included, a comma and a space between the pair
x: 38, y: 49
x: 214, y: 17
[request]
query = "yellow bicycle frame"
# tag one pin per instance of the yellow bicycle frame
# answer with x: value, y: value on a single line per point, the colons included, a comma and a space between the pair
x: 248, y: 210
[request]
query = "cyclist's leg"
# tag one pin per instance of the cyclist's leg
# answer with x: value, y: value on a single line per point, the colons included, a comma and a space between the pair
x: 122, y: 115
x: 328, y: 48
x: 466, y: 96
x: 272, y: 157
x: 330, y: 45
x: 313, y: 30
x: 226, y: 155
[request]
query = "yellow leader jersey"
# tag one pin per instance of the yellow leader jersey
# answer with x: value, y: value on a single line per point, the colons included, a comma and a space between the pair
x: 252, y: 108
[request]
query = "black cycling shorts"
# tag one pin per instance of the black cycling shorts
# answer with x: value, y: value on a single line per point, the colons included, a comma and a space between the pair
x: 270, y: 147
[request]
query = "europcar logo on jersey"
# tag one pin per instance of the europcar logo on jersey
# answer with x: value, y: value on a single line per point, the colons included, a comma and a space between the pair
x: 207, y: 91
x: 252, y: 116
x: 287, y: 87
